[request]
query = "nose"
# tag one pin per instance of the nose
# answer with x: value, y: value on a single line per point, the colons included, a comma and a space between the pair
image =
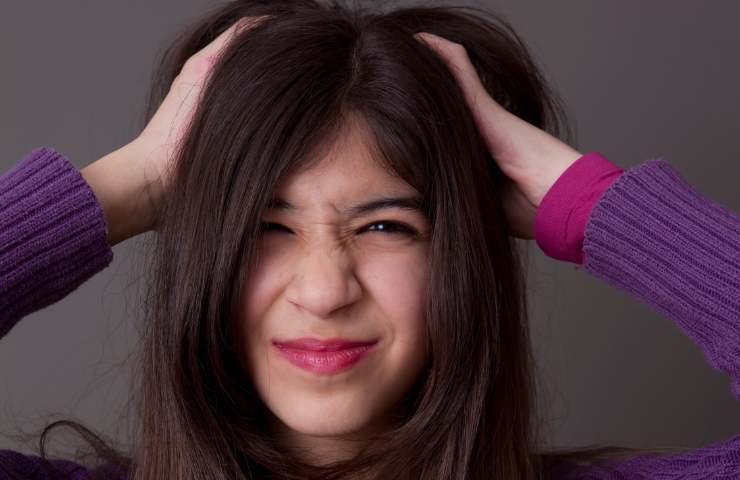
x: 324, y: 282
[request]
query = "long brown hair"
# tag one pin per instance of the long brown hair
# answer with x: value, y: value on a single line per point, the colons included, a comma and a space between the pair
x: 279, y: 93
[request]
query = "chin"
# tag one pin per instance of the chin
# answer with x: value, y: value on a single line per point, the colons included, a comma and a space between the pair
x: 322, y: 416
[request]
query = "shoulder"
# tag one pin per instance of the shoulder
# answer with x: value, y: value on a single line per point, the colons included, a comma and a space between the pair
x: 14, y: 465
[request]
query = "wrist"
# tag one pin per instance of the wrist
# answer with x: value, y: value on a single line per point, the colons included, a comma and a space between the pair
x: 120, y: 187
x: 558, y: 162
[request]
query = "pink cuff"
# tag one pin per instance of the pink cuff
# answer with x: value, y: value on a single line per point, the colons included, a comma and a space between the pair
x: 561, y: 218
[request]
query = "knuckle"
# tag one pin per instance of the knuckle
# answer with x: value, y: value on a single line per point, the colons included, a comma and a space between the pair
x: 196, y: 65
x: 453, y: 50
x: 458, y: 49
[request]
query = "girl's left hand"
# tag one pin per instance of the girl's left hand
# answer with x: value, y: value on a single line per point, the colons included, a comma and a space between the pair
x: 531, y: 158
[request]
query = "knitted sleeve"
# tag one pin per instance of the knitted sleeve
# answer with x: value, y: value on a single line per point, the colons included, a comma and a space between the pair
x: 657, y: 238
x: 53, y: 235
x: 649, y: 233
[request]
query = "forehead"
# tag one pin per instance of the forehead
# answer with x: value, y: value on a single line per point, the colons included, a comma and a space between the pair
x: 343, y: 173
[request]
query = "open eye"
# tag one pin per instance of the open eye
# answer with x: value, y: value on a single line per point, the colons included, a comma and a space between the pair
x: 389, y: 227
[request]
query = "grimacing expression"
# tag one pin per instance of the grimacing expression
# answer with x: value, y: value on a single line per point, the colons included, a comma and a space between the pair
x: 326, y: 273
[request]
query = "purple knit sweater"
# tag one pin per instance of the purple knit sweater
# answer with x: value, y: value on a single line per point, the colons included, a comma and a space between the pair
x: 644, y: 231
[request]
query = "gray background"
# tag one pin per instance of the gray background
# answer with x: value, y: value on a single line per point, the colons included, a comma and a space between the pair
x: 641, y: 79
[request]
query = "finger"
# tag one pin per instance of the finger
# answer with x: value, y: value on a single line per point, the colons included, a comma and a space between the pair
x: 217, y: 45
x: 483, y: 107
x: 456, y: 58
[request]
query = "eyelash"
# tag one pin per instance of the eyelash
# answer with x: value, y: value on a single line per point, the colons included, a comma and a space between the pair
x: 397, y: 228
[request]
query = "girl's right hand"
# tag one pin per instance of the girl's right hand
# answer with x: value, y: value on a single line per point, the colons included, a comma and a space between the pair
x: 155, y: 145
x: 130, y: 182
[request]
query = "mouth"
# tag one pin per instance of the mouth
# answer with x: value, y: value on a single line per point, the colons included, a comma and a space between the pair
x: 324, y: 357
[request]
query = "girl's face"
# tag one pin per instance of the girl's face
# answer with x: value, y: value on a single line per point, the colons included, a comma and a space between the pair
x: 330, y: 271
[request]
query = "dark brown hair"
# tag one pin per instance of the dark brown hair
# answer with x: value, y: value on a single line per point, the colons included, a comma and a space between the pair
x: 279, y: 94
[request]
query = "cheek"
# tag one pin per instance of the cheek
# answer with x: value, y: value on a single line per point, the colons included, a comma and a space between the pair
x: 398, y: 291
x: 396, y: 287
x: 262, y: 288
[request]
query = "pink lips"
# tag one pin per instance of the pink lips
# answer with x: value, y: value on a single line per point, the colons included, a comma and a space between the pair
x: 323, y: 356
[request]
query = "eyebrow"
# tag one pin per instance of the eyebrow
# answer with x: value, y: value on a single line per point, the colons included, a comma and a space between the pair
x: 410, y: 203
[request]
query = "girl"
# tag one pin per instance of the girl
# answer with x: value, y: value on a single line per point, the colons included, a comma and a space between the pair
x: 335, y: 290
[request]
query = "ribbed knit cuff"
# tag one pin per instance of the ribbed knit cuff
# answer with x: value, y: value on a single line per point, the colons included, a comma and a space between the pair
x: 663, y: 242
x: 53, y: 234
x: 564, y: 210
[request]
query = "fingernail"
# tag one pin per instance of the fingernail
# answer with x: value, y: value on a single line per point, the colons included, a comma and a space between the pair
x: 423, y: 38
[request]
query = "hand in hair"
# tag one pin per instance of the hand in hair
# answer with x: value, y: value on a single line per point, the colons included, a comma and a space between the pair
x: 130, y: 182
x: 531, y: 158
x: 161, y: 136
